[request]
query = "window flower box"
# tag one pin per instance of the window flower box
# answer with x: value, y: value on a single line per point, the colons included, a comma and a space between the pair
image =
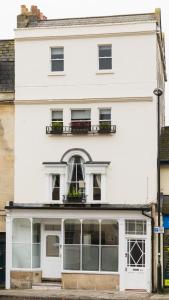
x: 80, y: 127
x: 57, y: 127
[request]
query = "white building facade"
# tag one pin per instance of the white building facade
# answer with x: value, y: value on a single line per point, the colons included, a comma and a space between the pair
x: 85, y: 151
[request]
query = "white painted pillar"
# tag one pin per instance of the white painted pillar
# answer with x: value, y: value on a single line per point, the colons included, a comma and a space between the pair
x: 8, y: 250
x: 121, y: 257
x: 148, y: 261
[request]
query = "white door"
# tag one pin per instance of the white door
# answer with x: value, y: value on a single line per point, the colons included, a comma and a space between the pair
x: 51, y: 254
x: 135, y: 271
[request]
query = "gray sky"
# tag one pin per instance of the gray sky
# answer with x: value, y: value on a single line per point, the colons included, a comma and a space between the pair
x: 80, y: 8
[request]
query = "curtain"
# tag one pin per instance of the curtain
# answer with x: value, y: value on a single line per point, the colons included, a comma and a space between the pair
x: 70, y: 171
x: 98, y: 180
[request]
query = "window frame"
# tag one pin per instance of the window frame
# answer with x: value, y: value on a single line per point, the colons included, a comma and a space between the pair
x: 63, y: 59
x: 98, y: 56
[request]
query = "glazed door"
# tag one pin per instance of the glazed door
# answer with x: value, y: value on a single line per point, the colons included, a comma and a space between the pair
x: 51, y: 254
x: 136, y: 277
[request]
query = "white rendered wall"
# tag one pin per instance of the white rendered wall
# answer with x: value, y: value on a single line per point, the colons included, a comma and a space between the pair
x: 131, y: 176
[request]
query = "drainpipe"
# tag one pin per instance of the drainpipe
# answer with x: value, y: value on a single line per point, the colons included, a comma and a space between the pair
x: 152, y: 243
x: 158, y: 92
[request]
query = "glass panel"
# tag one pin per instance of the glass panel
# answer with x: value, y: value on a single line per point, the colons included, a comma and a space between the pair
x: 90, y: 232
x: 109, y: 232
x: 105, y: 51
x: 90, y: 258
x: 57, y: 65
x: 21, y: 255
x: 136, y: 227
x: 105, y: 63
x: 52, y: 245
x: 71, y: 257
x: 80, y: 114
x: 21, y: 231
x: 96, y: 187
x: 57, y: 115
x: 36, y: 255
x: 55, y: 187
x: 57, y: 53
x: 109, y: 258
x: 136, y: 253
x: 105, y: 114
x: 36, y: 233
x: 72, y: 231
x: 52, y: 227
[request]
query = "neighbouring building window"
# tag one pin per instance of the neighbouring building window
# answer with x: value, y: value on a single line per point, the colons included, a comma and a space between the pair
x: 135, y: 227
x: 81, y: 120
x: 57, y: 59
x: 105, y: 57
x: 96, y: 186
x: 91, y: 245
x: 22, y: 242
x: 55, y: 187
x: 76, y: 177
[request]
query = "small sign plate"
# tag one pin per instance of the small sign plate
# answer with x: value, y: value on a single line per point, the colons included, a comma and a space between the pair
x: 158, y: 229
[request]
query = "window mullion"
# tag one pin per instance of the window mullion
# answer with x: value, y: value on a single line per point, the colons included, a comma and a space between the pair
x: 99, y: 245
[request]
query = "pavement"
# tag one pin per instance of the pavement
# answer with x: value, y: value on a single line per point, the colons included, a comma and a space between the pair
x: 78, y: 295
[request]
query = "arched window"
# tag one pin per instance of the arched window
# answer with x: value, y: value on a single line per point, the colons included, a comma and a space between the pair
x: 76, y: 176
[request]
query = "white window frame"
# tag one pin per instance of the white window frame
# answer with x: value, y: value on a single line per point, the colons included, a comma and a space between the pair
x: 56, y: 73
x: 104, y: 108
x: 98, y: 65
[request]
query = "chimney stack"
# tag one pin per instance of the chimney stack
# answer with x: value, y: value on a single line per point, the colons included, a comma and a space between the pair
x: 29, y: 17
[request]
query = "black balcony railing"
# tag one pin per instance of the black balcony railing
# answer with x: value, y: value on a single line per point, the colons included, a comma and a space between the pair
x: 74, y: 199
x: 88, y: 129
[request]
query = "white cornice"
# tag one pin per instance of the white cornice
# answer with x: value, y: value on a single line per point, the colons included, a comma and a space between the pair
x: 83, y: 100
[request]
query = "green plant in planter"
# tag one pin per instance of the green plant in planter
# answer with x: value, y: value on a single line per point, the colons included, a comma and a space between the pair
x: 57, y: 126
x: 104, y: 127
x: 74, y: 194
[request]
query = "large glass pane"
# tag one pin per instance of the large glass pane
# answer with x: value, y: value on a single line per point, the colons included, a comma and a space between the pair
x: 57, y: 115
x: 105, y: 114
x: 72, y: 231
x: 71, y: 257
x: 21, y: 255
x: 36, y: 233
x: 105, y: 63
x: 36, y: 256
x: 80, y: 114
x: 90, y: 258
x: 21, y: 231
x: 52, y: 245
x: 57, y: 65
x: 105, y: 51
x: 96, y: 187
x: 55, y: 187
x: 90, y: 232
x: 109, y: 232
x: 109, y: 258
x: 57, y: 53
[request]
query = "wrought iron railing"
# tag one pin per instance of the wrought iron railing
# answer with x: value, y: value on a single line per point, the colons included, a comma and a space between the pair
x: 74, y: 199
x: 93, y: 129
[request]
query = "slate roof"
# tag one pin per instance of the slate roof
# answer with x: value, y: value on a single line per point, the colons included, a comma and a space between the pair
x: 149, y: 17
x: 7, y: 60
x: 164, y: 145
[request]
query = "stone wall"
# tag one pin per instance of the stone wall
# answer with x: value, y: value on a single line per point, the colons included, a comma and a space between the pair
x: 6, y: 159
x: 25, y: 279
x: 90, y: 281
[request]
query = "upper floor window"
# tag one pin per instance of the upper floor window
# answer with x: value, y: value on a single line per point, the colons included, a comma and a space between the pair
x: 96, y: 186
x: 76, y: 176
x: 105, y: 119
x: 56, y: 187
x: 105, y: 57
x: 57, y: 120
x: 81, y: 120
x: 57, y: 59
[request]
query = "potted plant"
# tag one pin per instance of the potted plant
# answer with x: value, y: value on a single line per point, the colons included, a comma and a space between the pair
x: 57, y: 127
x: 104, y: 127
x: 74, y: 196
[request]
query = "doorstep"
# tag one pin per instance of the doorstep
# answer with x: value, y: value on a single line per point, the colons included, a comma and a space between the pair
x: 72, y: 295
